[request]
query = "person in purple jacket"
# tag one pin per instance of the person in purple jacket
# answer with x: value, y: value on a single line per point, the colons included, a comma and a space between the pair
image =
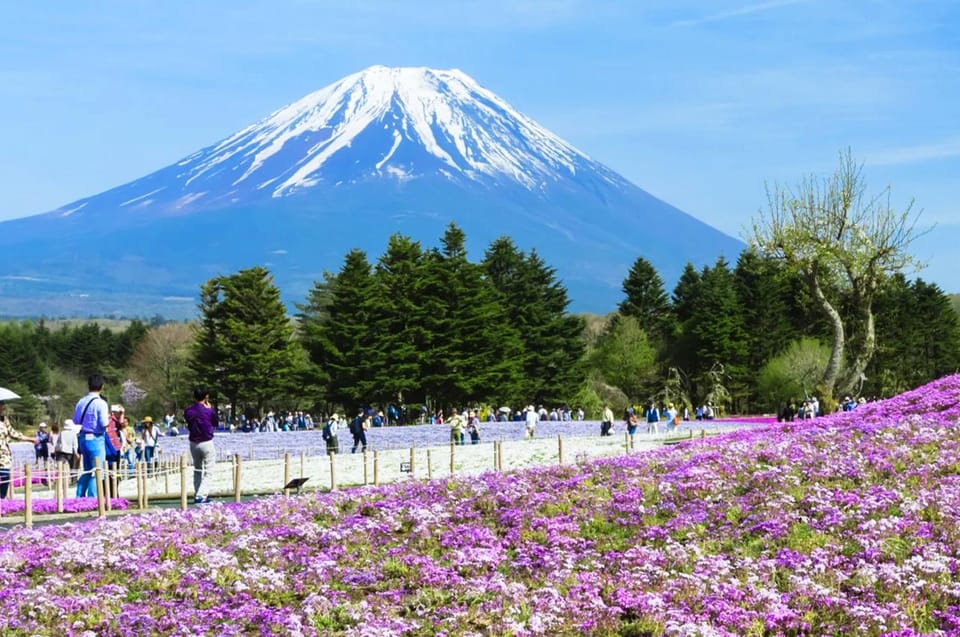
x: 202, y: 421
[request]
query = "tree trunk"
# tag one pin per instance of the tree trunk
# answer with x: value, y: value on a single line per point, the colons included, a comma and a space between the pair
x: 849, y: 382
x: 832, y: 372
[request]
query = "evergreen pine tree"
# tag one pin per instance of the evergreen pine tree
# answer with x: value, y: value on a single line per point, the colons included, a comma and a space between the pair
x: 553, y: 344
x: 398, y: 337
x: 646, y: 300
x: 245, y: 347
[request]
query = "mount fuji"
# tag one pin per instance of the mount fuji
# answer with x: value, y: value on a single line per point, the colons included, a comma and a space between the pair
x: 381, y: 151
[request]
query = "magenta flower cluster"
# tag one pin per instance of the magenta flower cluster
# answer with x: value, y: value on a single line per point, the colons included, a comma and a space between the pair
x: 43, y: 506
x: 845, y: 525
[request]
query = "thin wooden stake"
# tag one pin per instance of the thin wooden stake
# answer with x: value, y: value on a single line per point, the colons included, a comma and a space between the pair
x: 376, y: 468
x: 286, y: 473
x: 452, y: 458
x: 27, y: 497
x: 109, y: 487
x: 333, y: 471
x: 98, y: 477
x: 60, y: 486
x: 429, y: 466
x: 412, y: 457
x: 559, y: 449
x: 236, y: 484
x: 183, y: 481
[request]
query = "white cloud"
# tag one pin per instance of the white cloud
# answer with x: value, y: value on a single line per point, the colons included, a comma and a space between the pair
x: 736, y: 13
x: 946, y: 149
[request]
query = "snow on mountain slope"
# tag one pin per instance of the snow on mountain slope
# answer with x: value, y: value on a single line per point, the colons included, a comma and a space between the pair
x: 379, y: 124
x: 384, y: 150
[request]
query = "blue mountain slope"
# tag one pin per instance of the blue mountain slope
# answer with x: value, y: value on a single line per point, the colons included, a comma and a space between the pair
x: 382, y: 151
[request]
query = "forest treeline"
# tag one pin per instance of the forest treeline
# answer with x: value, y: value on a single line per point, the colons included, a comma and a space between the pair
x: 431, y: 327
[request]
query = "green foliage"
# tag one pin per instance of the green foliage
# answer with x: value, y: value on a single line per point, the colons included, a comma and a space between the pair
x: 646, y: 299
x: 792, y: 374
x: 475, y: 354
x: 626, y: 359
x: 918, y: 337
x: 536, y: 303
x: 244, y: 347
x: 336, y: 332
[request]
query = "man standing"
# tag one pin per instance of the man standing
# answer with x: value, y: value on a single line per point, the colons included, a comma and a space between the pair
x: 202, y: 421
x: 606, y: 423
x: 531, y: 419
x: 457, y: 425
x: 92, y: 415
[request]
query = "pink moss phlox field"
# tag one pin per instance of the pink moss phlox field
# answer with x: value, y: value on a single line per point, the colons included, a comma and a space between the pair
x: 49, y: 505
x: 845, y: 525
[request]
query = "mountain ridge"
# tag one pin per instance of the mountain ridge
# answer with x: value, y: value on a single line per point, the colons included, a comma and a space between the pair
x: 382, y: 150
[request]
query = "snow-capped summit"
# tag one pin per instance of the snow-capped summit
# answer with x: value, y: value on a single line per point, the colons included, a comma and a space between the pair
x: 394, y: 124
x: 410, y: 120
x: 381, y: 151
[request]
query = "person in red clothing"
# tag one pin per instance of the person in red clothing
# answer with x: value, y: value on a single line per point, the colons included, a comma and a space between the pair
x: 113, y: 442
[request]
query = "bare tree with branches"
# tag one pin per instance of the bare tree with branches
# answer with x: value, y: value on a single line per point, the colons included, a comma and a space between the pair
x: 839, y: 239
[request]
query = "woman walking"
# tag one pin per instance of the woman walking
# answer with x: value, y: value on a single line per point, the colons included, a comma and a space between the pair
x: 202, y: 421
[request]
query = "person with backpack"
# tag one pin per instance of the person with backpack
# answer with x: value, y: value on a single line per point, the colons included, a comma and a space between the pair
x: 358, y: 427
x: 92, y: 415
x: 329, y: 434
x: 41, y: 444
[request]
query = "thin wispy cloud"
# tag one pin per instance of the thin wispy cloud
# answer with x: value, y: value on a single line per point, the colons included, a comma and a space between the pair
x: 737, y: 13
x: 915, y: 154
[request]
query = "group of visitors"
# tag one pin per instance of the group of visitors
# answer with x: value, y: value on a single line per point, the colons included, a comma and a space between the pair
x: 104, y: 436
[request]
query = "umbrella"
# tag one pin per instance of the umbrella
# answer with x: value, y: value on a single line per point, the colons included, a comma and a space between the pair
x: 6, y: 394
x: 505, y: 410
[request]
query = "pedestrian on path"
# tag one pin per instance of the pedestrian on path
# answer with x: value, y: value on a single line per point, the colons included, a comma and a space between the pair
x: 202, y: 421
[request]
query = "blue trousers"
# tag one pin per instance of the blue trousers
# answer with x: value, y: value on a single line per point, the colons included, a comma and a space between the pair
x: 91, y: 448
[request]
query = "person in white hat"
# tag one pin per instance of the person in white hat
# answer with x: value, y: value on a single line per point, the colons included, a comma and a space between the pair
x: 532, y: 418
x: 329, y: 432
x: 67, y: 447
x: 41, y: 444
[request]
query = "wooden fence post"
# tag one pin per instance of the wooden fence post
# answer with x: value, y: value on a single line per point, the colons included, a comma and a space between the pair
x: 452, y: 458
x: 236, y: 485
x: 376, y: 468
x: 183, y: 481
x: 366, y: 474
x: 412, y: 457
x: 109, y: 487
x: 286, y: 473
x: 500, y: 455
x: 98, y: 477
x: 137, y: 469
x: 333, y: 471
x: 559, y: 449
x: 61, y: 485
x: 429, y: 466
x: 27, y: 497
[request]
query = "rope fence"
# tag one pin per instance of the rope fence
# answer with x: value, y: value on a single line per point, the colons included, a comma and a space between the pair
x: 168, y: 481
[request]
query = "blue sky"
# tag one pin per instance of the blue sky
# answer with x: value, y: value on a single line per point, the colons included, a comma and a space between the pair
x: 699, y: 102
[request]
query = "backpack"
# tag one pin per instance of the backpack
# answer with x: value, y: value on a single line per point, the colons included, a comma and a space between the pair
x: 356, y: 426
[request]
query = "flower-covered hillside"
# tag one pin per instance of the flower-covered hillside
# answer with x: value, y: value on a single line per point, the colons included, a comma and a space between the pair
x: 842, y: 525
